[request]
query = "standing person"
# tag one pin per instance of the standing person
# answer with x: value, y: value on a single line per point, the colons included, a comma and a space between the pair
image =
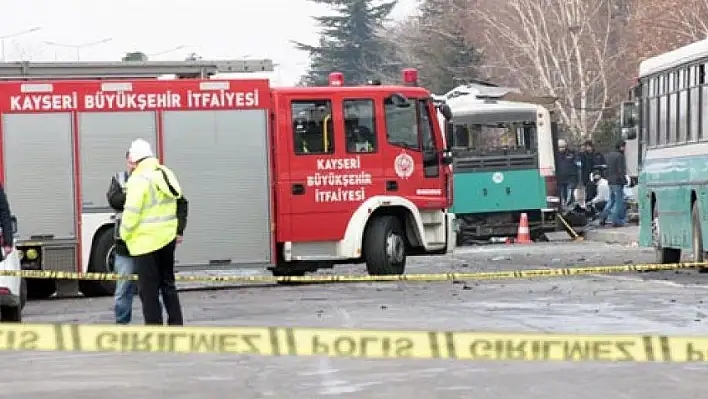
x: 617, y: 179
x: 150, y: 230
x: 8, y: 243
x: 591, y: 160
x: 567, y: 172
x: 123, y: 263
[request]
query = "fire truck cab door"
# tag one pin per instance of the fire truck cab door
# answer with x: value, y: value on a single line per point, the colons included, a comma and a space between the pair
x: 412, y: 154
x: 334, y: 164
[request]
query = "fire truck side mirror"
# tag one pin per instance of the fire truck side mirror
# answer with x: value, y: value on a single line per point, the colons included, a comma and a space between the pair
x: 445, y: 111
x: 449, y: 135
x: 447, y: 157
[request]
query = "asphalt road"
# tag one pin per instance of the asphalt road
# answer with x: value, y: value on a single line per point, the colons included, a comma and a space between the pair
x: 666, y: 302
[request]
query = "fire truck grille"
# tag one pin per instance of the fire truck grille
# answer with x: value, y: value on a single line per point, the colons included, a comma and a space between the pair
x: 59, y: 258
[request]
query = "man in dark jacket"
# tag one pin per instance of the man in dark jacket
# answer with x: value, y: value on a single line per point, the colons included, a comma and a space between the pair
x: 591, y: 160
x: 566, y: 172
x: 6, y: 223
x: 616, y: 176
x: 124, y: 263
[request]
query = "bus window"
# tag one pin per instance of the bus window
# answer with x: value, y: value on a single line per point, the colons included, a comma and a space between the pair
x: 499, y: 138
x: 360, y: 125
x: 313, y: 130
x: 401, y: 125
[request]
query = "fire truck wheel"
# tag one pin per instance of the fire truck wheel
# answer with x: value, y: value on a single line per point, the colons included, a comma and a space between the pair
x: 23, y: 293
x: 385, y: 246
x: 101, y: 262
x: 41, y: 288
x: 11, y: 314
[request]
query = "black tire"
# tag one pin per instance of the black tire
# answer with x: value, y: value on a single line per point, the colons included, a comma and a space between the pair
x: 385, y: 247
x: 663, y: 255
x: 11, y: 314
x: 41, y: 288
x: 101, y: 261
x: 23, y: 293
x: 699, y: 254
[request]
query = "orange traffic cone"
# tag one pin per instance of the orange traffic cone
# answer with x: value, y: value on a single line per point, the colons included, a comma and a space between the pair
x: 523, y: 236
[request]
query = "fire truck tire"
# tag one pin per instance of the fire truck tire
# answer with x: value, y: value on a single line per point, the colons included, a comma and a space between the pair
x: 23, y: 293
x: 11, y: 314
x: 100, y: 262
x: 384, y: 246
x: 41, y: 288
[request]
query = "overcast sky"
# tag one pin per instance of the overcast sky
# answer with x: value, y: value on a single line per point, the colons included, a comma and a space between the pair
x: 214, y: 29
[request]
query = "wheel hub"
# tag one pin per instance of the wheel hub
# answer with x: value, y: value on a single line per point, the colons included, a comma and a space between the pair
x: 395, y: 248
x: 110, y: 258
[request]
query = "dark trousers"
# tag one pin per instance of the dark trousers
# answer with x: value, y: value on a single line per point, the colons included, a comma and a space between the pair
x: 156, y: 276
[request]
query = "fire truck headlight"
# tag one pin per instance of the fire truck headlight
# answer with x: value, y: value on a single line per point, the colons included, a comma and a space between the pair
x: 32, y: 254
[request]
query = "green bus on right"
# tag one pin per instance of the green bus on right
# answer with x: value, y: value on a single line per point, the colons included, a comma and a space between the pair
x: 666, y: 123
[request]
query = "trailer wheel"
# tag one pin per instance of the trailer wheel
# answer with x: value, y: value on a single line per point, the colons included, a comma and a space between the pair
x: 101, y: 261
x: 385, y: 246
x: 11, y: 314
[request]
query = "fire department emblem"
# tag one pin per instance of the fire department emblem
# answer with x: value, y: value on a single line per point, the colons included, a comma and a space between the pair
x: 404, y: 165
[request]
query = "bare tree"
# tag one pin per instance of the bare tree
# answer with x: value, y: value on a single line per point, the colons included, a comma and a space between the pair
x: 686, y: 19
x: 562, y: 48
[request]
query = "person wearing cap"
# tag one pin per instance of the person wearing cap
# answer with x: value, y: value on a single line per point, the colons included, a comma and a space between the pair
x: 567, y: 172
x: 150, y: 229
x: 600, y: 192
x: 616, y: 175
x: 123, y: 263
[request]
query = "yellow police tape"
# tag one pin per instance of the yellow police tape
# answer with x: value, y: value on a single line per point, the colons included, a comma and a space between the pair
x: 368, y: 344
x: 496, y: 275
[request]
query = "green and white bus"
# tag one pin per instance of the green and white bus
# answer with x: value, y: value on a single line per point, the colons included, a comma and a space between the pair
x: 668, y: 119
x: 503, y: 164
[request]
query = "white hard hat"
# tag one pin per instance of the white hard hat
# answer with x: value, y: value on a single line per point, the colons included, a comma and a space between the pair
x: 139, y: 149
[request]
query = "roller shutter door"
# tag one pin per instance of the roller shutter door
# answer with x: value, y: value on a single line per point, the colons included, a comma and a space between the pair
x: 220, y: 158
x: 105, y: 137
x: 39, y: 174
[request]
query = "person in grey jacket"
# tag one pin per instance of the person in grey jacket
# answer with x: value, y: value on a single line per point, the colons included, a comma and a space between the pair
x: 123, y: 264
x: 616, y: 175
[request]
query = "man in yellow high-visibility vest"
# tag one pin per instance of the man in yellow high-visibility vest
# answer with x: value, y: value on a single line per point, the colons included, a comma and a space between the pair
x: 149, y: 229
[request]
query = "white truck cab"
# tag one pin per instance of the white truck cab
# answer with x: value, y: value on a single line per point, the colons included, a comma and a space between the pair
x: 13, y: 290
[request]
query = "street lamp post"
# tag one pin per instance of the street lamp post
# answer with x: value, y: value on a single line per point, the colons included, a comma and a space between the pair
x: 2, y: 38
x: 78, y: 47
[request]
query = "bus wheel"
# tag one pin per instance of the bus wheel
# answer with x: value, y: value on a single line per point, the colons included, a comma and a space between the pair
x: 663, y: 255
x: 698, y: 252
x: 385, y: 246
x: 101, y: 261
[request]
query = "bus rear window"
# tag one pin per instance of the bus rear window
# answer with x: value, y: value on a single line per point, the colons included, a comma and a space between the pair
x: 497, y: 138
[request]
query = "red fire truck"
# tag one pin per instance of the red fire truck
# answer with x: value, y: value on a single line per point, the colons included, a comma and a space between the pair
x: 289, y: 179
